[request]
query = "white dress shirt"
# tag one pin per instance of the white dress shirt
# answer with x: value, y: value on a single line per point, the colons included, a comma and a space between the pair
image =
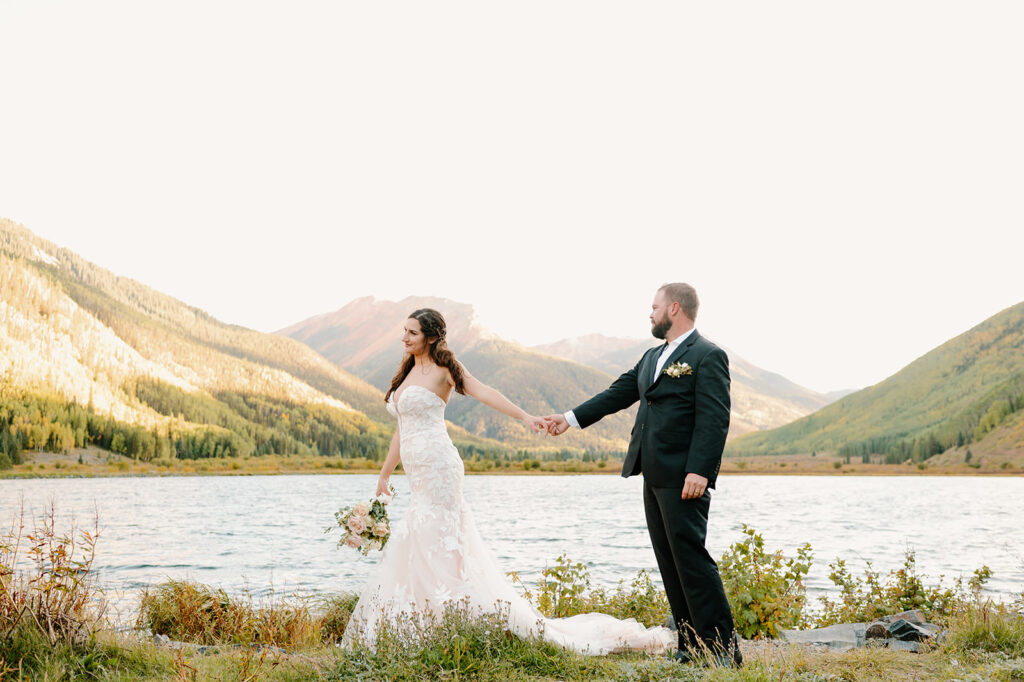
x: 666, y: 353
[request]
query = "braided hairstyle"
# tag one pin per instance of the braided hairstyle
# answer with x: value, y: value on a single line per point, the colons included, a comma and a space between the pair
x: 433, y: 326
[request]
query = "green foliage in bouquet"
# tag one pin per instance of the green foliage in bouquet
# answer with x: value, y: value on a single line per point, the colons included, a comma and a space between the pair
x: 365, y: 525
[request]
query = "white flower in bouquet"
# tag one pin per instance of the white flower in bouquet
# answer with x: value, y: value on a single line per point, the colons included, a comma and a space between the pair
x: 365, y: 525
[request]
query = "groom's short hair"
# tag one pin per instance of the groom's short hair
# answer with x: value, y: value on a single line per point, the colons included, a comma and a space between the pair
x: 684, y: 295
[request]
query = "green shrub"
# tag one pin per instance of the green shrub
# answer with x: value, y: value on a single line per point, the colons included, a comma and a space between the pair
x: 765, y: 590
x: 902, y: 589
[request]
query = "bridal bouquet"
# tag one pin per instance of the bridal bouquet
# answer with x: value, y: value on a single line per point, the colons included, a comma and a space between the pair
x: 365, y: 525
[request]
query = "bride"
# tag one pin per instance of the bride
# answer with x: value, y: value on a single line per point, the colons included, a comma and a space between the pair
x: 435, y: 554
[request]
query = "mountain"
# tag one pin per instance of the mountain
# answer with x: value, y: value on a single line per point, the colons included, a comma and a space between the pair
x: 76, y: 338
x: 364, y: 338
x: 761, y: 399
x: 966, y: 394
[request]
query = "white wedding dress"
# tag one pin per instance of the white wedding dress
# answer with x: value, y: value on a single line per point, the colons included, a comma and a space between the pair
x: 435, y: 554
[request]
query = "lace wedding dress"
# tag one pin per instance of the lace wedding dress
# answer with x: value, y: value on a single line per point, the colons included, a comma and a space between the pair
x: 436, y: 554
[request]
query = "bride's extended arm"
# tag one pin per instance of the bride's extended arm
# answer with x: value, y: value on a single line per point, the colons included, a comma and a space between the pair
x: 386, y: 469
x: 493, y: 398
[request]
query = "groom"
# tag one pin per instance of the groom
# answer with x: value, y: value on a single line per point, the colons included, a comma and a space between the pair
x: 676, y: 443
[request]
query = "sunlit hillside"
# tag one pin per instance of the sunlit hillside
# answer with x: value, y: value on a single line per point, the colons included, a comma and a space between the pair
x: 967, y: 394
x: 72, y: 333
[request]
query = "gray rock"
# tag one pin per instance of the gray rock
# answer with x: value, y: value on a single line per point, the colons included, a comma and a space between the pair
x: 906, y: 631
x: 915, y: 616
x: 842, y: 636
x: 913, y: 647
x: 877, y: 630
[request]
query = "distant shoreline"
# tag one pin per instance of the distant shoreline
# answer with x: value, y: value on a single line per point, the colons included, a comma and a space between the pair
x: 95, y: 463
x: 9, y: 475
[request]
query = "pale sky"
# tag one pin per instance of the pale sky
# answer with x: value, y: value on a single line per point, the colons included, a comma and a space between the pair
x: 842, y: 182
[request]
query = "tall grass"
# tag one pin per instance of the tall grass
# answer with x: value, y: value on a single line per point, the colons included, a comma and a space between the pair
x: 191, y: 612
x: 50, y: 611
x: 987, y: 627
x: 54, y: 597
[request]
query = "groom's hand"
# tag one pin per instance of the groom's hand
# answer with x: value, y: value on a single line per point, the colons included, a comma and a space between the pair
x: 694, y: 486
x: 557, y: 424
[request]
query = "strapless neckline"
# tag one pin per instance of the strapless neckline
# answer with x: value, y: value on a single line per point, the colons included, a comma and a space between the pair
x: 405, y: 390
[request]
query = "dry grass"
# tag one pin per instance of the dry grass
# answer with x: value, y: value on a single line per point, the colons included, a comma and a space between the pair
x: 55, y: 596
x: 191, y: 612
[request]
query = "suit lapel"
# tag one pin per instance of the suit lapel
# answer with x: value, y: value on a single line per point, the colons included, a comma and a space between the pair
x: 647, y: 369
x: 676, y: 355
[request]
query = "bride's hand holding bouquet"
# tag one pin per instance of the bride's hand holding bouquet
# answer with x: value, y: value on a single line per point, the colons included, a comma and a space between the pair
x: 365, y: 525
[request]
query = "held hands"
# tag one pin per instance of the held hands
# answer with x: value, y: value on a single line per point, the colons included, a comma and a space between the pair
x: 556, y: 424
x: 536, y: 424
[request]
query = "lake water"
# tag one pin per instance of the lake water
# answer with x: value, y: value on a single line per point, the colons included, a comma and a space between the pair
x: 265, y: 532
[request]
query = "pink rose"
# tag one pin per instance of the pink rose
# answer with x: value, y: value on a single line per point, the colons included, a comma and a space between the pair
x: 361, y: 509
x: 380, y: 529
x: 358, y: 523
x: 354, y: 541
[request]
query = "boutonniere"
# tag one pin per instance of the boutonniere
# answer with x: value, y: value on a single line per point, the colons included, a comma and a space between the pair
x: 677, y: 369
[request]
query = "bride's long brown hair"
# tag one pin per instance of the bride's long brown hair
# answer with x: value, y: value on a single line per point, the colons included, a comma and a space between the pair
x: 433, y: 326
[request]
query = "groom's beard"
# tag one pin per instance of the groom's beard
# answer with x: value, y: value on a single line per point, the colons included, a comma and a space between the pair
x: 660, y: 329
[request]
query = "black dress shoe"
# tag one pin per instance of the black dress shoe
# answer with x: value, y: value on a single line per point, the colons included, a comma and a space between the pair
x: 723, y: 660
x: 683, y: 656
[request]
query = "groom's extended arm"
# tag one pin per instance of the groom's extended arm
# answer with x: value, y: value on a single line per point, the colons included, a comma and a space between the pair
x: 623, y: 392
x: 711, y: 415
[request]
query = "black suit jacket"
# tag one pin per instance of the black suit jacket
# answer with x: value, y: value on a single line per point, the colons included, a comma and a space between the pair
x: 682, y: 422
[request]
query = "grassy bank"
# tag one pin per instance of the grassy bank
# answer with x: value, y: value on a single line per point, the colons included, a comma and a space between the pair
x: 52, y: 627
x: 981, y: 646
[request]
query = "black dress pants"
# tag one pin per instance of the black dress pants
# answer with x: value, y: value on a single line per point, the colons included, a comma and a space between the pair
x: 693, y: 585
